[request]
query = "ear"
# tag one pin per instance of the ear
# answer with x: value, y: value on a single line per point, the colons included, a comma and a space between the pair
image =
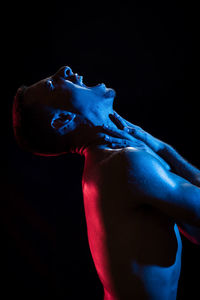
x: 61, y: 120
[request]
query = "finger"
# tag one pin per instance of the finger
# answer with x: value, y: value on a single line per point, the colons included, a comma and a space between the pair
x: 119, y: 142
x: 124, y: 144
x: 108, y: 139
x: 116, y: 132
x: 119, y: 120
x: 131, y: 125
x: 132, y: 129
x: 127, y: 125
x: 101, y: 138
x: 139, y: 134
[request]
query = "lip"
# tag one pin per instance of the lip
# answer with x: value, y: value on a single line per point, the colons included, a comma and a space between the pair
x: 79, y: 81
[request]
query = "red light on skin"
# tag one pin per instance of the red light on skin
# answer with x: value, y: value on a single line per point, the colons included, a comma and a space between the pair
x: 96, y: 232
x: 48, y: 155
x: 92, y: 210
x: 191, y: 238
x: 14, y: 115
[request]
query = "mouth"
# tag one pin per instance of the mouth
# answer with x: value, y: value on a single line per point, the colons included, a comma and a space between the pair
x: 78, y: 79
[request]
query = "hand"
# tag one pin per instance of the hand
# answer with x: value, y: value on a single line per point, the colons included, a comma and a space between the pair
x: 135, y: 131
x: 116, y: 138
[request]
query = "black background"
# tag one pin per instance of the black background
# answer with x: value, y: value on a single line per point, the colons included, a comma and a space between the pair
x: 147, y: 53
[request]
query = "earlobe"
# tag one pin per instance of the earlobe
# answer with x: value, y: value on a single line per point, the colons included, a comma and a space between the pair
x: 61, y: 120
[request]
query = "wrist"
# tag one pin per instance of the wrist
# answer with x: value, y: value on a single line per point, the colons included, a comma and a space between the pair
x: 164, y: 149
x: 157, y: 145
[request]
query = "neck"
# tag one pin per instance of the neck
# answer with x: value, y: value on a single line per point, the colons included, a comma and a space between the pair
x: 94, y: 154
x: 84, y: 141
x: 101, y: 117
x: 89, y: 150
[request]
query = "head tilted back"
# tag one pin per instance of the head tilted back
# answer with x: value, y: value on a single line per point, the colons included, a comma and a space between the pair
x: 32, y: 128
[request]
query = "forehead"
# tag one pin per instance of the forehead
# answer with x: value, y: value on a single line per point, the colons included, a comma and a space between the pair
x: 39, y: 93
x: 39, y: 88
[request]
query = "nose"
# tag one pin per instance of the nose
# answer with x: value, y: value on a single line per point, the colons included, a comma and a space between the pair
x: 68, y: 71
x: 65, y: 71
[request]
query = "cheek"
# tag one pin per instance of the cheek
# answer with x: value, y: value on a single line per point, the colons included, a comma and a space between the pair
x: 67, y: 92
x: 61, y: 99
x: 82, y: 97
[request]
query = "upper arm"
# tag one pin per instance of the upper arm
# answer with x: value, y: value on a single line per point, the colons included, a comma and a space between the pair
x: 155, y: 185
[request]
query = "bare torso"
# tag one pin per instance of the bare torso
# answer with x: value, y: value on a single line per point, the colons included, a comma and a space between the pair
x: 136, y: 249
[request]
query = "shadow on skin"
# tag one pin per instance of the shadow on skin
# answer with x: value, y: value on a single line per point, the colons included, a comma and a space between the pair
x: 139, y: 238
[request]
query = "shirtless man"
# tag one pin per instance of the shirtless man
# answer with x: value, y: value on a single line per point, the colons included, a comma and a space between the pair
x: 138, y: 191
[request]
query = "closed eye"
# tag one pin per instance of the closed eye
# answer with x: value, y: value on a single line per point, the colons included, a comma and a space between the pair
x: 50, y: 84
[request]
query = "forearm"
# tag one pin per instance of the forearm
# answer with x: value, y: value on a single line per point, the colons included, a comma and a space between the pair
x: 179, y: 165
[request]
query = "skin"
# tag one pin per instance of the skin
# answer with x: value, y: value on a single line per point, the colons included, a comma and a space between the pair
x: 133, y: 199
x: 65, y: 93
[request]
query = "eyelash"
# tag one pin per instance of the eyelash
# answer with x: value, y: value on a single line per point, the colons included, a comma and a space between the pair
x: 50, y: 84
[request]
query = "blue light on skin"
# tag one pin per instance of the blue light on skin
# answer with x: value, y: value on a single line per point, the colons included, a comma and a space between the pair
x: 94, y: 106
x: 85, y: 107
x: 61, y: 121
x: 71, y: 95
x: 49, y: 83
x: 164, y: 175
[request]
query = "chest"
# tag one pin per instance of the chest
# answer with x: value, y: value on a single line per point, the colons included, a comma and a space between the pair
x: 135, y: 241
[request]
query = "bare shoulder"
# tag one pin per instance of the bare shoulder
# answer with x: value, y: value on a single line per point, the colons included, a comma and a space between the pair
x: 131, y: 158
x: 114, y: 162
x: 140, y: 157
x: 131, y: 164
x: 148, y: 171
x: 130, y: 161
x: 122, y: 155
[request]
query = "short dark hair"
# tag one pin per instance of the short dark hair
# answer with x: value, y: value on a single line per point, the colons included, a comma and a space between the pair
x: 31, y: 131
